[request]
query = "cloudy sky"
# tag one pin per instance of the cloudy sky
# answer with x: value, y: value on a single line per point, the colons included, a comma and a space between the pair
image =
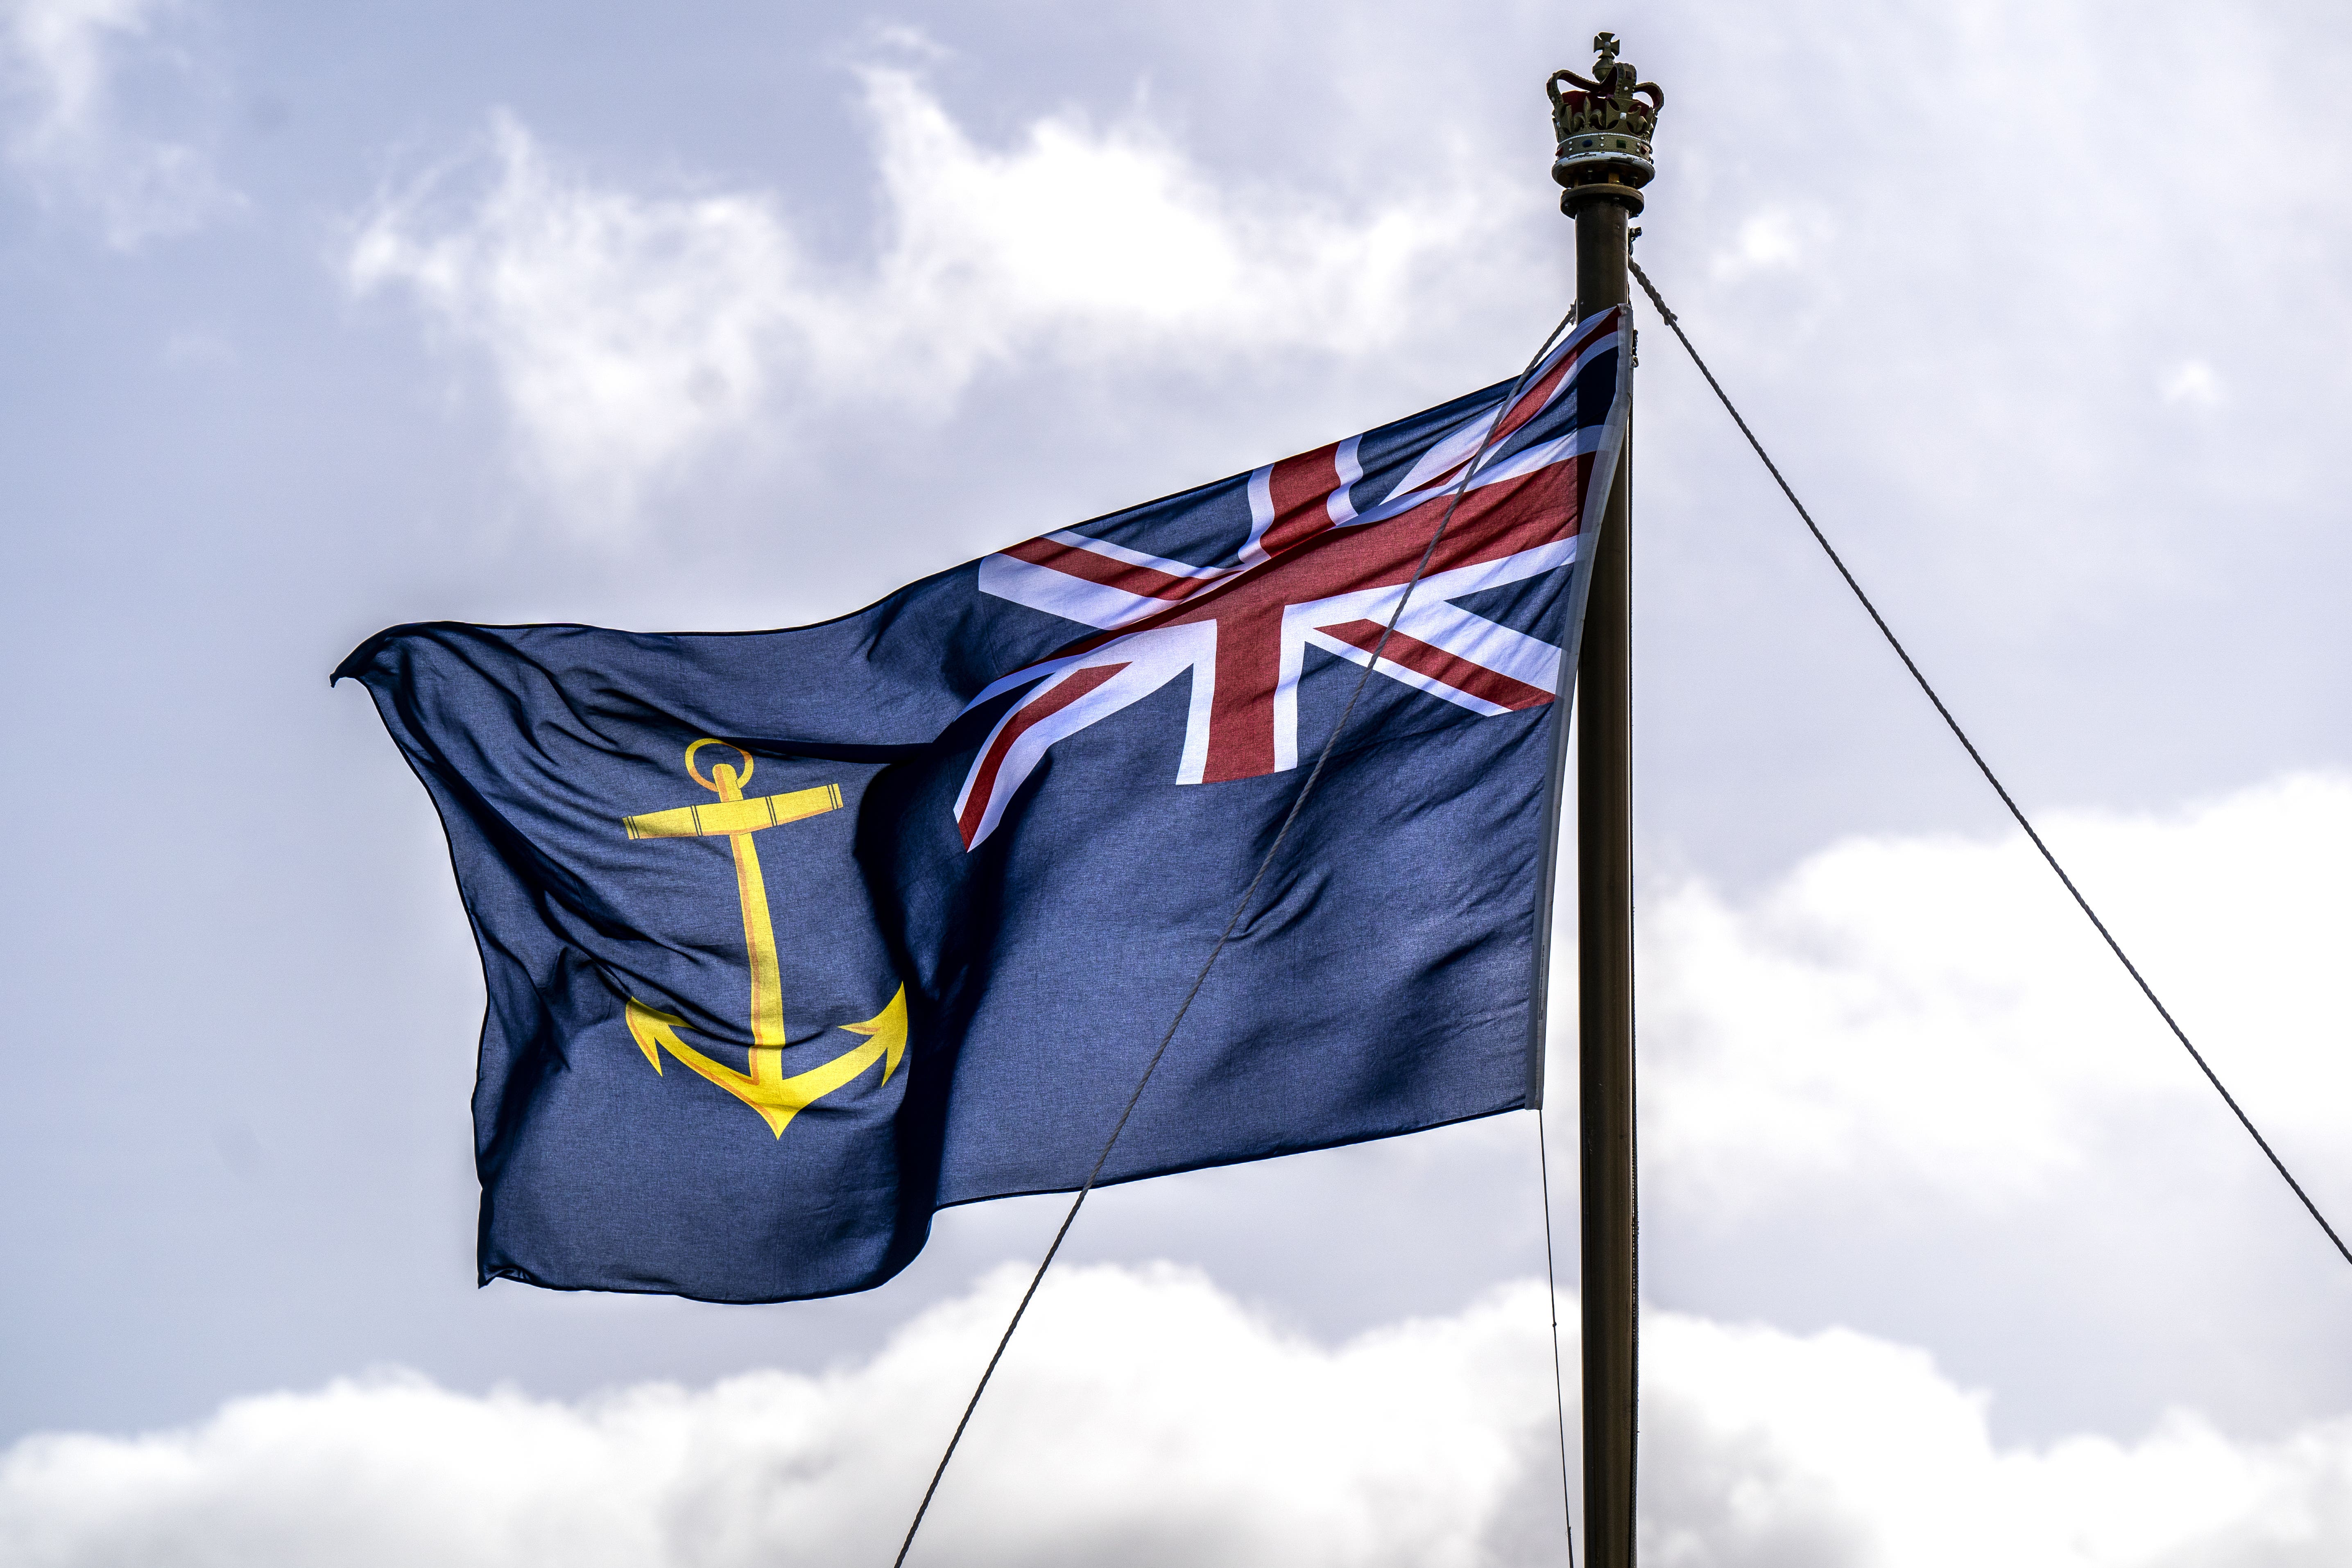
x: 314, y: 319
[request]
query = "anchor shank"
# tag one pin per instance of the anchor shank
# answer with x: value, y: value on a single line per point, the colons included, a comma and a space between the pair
x: 759, y: 941
x: 759, y: 938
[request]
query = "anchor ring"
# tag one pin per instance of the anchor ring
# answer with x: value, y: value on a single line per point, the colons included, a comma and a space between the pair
x: 742, y: 779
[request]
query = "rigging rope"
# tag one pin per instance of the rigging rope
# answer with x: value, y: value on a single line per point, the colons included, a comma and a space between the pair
x: 1249, y: 896
x: 1559, y: 1382
x: 1674, y: 324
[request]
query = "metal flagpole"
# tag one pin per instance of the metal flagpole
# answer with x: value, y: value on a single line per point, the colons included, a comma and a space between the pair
x: 1605, y: 125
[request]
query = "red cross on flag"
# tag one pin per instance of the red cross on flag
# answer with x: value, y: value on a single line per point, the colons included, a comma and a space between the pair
x: 1328, y: 558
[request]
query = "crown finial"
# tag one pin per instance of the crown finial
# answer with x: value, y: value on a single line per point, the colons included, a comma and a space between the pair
x: 1603, y: 128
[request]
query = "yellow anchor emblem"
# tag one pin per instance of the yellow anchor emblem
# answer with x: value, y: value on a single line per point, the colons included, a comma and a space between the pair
x: 764, y: 1088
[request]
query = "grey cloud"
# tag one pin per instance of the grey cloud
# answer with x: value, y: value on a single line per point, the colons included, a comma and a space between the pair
x: 71, y: 130
x: 629, y: 332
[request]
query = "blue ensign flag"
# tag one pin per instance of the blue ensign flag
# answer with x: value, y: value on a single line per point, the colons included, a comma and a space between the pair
x: 792, y: 938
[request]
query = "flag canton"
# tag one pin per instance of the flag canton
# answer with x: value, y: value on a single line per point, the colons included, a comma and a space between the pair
x: 1322, y: 560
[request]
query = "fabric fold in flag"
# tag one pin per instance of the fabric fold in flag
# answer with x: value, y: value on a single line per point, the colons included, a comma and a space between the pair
x: 913, y: 893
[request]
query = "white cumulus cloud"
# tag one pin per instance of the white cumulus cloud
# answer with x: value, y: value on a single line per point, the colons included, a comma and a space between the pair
x: 625, y: 333
x: 628, y: 330
x: 2193, y: 382
x: 60, y: 64
x: 1936, y: 1010
x: 1149, y: 1418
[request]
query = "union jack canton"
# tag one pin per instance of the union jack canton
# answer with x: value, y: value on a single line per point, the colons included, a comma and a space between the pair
x: 1334, y: 537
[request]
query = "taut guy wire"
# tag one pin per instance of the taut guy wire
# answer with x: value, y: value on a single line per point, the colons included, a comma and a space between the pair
x: 1674, y: 324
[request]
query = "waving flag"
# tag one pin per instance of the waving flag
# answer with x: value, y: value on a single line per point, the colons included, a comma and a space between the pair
x: 792, y: 938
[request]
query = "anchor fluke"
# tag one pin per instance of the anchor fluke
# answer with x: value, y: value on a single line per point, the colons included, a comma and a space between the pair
x: 765, y: 1089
